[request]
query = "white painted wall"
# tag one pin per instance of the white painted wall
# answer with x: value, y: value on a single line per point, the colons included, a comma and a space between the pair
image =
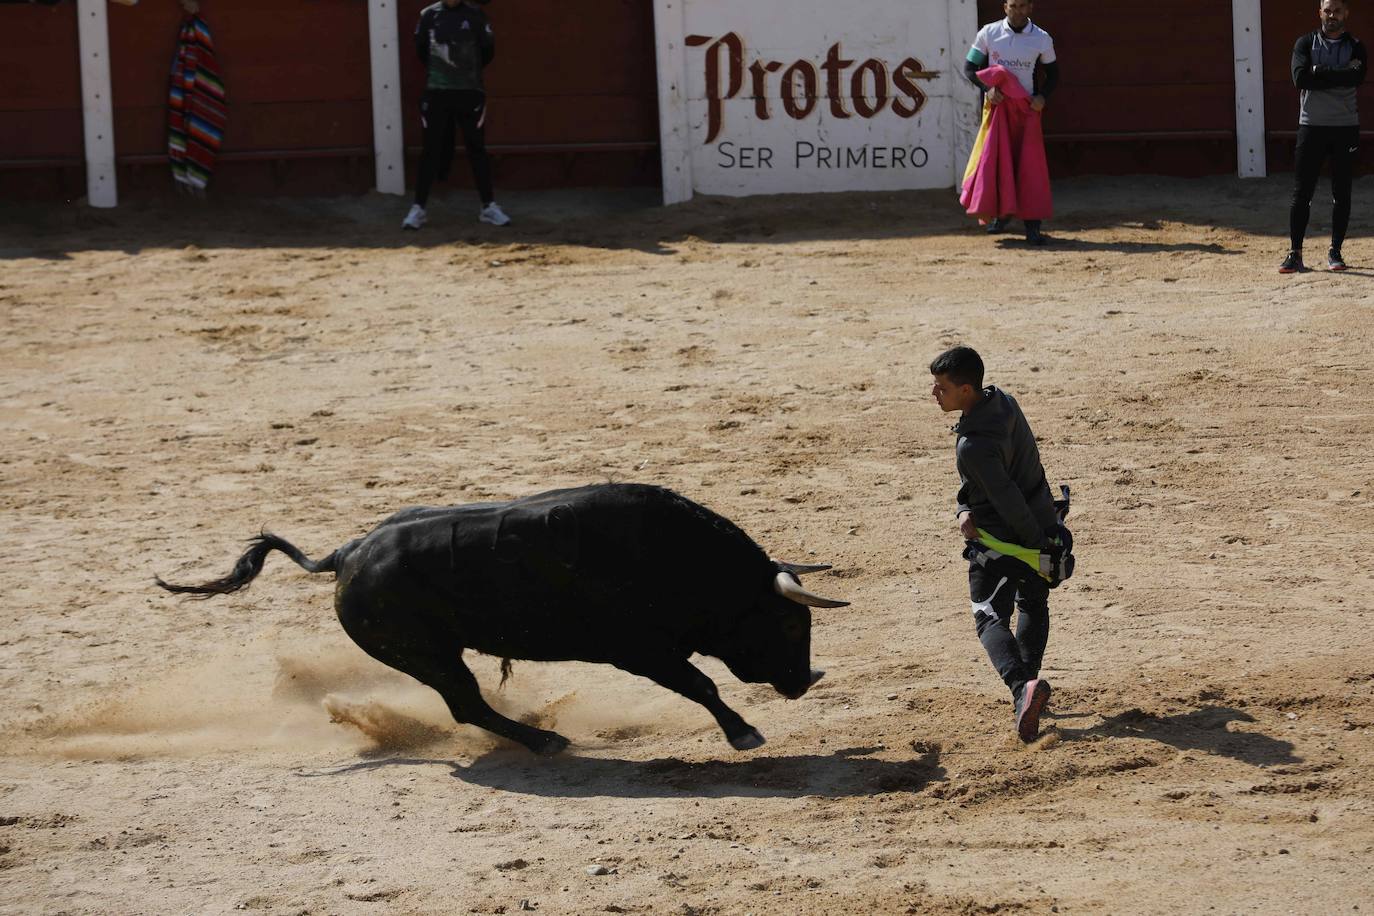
x: 1249, y: 60
x: 829, y: 141
x: 97, y: 107
x: 388, y: 143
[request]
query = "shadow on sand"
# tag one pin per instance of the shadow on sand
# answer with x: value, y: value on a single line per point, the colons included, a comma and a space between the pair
x: 634, y: 219
x: 1202, y: 729
x: 844, y: 773
x: 1065, y: 245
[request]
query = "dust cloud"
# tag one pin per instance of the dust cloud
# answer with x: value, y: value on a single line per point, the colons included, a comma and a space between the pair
x: 278, y: 696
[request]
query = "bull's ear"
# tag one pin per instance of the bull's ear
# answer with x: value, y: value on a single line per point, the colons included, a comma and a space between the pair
x: 786, y: 584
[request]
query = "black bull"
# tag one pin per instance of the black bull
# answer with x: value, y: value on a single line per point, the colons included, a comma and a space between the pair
x: 629, y: 575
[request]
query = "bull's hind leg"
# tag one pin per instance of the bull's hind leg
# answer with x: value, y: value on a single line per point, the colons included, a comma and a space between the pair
x: 681, y: 676
x: 424, y: 658
x: 459, y: 689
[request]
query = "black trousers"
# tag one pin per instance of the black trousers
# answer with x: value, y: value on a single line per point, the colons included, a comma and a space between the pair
x: 443, y: 112
x: 1017, y: 656
x: 1341, y: 145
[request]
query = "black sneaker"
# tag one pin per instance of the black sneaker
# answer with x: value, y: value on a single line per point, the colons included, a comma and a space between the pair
x: 1034, y: 697
x: 1291, y: 264
x: 997, y: 226
x: 1038, y: 239
x: 1334, y: 261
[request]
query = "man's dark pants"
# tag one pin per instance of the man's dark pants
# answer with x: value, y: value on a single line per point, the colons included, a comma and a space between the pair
x: 1016, y: 656
x: 1341, y: 145
x: 444, y: 112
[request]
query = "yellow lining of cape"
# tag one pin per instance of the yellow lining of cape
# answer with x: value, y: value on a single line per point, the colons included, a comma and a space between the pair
x: 977, y: 155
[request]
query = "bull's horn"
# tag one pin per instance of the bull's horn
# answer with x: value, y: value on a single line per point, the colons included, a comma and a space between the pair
x: 786, y: 585
x: 800, y: 569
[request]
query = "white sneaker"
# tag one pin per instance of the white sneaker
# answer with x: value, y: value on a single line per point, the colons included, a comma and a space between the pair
x: 415, y: 218
x: 492, y: 213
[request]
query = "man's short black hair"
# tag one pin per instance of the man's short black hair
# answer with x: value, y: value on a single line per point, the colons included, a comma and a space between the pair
x: 961, y: 365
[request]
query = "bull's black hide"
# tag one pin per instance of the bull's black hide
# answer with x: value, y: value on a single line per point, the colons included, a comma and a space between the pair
x: 626, y: 574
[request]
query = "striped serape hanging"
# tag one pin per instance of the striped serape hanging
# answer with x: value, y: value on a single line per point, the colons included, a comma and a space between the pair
x: 197, y: 113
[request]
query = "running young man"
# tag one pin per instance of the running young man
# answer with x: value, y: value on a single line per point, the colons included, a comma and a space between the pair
x: 1003, y: 495
x: 1017, y: 44
x: 1328, y: 67
x: 455, y: 42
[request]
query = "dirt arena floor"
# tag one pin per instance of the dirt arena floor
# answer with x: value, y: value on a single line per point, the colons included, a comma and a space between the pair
x: 174, y: 378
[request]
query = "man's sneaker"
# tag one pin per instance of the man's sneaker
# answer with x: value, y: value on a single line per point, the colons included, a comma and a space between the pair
x: 415, y: 218
x: 1037, y: 238
x: 1334, y: 261
x: 492, y: 213
x: 1291, y: 264
x: 1034, y: 696
x: 997, y: 226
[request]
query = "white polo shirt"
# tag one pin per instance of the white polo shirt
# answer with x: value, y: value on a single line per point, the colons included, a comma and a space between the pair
x: 997, y: 44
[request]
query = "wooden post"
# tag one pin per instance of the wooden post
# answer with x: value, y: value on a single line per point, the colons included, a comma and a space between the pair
x: 388, y: 140
x: 965, y: 102
x: 1249, y: 59
x: 97, y: 108
x: 674, y: 131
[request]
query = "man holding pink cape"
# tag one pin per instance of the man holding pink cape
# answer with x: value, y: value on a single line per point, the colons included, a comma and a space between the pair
x: 1007, y: 175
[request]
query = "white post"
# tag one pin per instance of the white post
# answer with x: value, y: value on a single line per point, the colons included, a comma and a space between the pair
x: 97, y: 108
x: 674, y: 132
x: 1249, y: 57
x: 388, y: 139
x: 964, y: 99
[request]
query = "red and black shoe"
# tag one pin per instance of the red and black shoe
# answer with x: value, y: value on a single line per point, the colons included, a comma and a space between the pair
x: 1334, y: 261
x: 1291, y: 264
x: 1035, y: 696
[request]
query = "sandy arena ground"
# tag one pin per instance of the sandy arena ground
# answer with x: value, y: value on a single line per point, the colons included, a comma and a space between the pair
x: 174, y: 378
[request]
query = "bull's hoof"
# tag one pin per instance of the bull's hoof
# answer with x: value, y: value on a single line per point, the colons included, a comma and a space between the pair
x: 747, y: 741
x: 549, y: 744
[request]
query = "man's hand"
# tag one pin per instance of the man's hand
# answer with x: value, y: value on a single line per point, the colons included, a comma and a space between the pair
x: 1037, y: 103
x: 995, y: 96
x: 967, y: 528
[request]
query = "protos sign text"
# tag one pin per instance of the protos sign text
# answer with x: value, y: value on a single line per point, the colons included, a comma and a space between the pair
x: 872, y: 85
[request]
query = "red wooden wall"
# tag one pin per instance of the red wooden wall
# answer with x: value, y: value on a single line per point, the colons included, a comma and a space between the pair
x: 1161, y: 78
x: 580, y: 79
x: 1284, y: 21
x: 40, y: 101
x: 580, y: 74
x: 570, y: 74
x: 297, y: 77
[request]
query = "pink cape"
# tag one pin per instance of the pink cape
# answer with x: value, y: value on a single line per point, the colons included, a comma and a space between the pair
x: 1007, y: 174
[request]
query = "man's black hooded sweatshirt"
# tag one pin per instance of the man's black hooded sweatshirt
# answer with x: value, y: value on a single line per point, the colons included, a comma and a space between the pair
x: 1002, y: 481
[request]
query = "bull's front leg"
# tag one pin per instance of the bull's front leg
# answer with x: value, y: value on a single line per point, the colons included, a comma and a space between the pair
x: 681, y: 676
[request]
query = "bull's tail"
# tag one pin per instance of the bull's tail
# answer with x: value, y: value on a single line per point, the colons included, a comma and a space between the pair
x: 250, y: 564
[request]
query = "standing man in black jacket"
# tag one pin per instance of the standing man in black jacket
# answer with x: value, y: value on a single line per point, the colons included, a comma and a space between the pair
x: 454, y: 41
x: 1328, y: 67
x: 1003, y: 494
